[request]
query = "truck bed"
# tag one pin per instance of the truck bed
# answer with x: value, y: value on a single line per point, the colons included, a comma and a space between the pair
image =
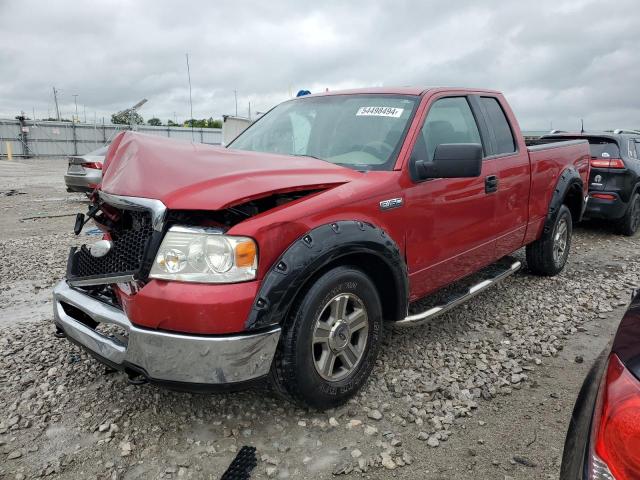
x: 548, y: 161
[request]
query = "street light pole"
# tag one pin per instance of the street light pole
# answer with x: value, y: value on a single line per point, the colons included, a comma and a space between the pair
x: 75, y: 99
x: 235, y: 94
x: 190, y: 101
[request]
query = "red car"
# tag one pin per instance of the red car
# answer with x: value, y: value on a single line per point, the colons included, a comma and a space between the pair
x: 285, y: 254
x: 603, y: 440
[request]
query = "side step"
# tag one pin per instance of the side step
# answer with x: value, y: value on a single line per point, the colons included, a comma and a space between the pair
x: 492, y: 275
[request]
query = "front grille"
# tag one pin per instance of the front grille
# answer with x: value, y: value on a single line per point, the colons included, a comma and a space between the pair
x: 130, y: 237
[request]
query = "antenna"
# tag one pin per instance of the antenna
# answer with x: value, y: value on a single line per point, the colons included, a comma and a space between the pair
x: 190, y: 100
x: 581, y: 125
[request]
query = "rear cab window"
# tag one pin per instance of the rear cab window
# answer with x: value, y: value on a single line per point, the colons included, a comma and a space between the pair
x: 504, y: 141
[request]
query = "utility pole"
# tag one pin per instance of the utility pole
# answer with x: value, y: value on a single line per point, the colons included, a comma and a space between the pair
x: 55, y: 99
x: 75, y: 99
x: 235, y: 94
x: 249, y: 110
x: 190, y: 100
x: 84, y: 107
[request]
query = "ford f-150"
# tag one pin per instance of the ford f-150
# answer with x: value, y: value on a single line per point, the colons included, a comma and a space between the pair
x: 284, y: 255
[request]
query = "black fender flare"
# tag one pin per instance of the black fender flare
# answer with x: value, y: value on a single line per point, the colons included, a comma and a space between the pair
x: 568, y: 179
x: 315, y: 250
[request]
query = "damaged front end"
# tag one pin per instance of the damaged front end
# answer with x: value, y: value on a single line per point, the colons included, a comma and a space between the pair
x: 160, y: 331
x: 133, y: 228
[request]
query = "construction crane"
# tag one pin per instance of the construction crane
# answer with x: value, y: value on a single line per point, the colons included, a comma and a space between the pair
x: 130, y: 112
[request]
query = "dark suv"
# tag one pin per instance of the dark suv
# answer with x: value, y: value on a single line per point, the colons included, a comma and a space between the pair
x: 614, y: 184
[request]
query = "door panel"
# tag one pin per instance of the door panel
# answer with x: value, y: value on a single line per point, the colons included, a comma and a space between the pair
x: 514, y: 178
x: 512, y: 206
x: 452, y: 232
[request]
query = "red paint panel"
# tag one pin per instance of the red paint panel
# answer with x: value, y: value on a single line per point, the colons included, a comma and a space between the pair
x: 191, y: 307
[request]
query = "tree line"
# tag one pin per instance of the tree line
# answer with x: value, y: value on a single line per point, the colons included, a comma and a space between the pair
x: 126, y: 118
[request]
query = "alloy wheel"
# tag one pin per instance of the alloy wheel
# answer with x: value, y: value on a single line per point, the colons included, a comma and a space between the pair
x: 340, y: 337
x: 560, y: 240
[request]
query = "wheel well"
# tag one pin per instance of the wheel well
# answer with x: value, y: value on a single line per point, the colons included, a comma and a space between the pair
x: 573, y: 200
x: 380, y: 274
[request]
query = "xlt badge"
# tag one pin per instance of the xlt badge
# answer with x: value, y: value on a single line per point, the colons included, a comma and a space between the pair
x: 391, y: 203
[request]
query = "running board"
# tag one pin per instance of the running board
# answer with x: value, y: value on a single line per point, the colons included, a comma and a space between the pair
x: 433, y: 312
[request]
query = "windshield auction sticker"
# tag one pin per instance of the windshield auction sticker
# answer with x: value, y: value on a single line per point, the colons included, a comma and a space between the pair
x: 379, y: 112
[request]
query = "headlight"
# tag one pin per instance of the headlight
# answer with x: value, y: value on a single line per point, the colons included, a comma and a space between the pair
x: 192, y: 254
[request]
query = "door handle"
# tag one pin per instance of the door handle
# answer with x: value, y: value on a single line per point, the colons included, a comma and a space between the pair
x: 491, y: 184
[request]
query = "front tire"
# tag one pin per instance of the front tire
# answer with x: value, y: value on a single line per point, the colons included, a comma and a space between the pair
x: 548, y: 255
x: 631, y: 221
x: 330, y: 341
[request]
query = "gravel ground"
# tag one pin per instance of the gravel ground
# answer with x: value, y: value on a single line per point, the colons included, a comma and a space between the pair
x: 483, y: 392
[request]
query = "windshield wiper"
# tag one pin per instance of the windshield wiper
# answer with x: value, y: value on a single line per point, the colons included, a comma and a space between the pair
x: 360, y: 167
x: 310, y: 156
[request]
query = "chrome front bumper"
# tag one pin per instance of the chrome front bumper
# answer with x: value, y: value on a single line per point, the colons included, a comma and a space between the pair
x: 163, y: 356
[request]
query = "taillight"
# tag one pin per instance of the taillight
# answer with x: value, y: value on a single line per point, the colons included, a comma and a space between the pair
x: 615, y: 431
x: 603, y: 196
x: 607, y: 163
x: 94, y: 165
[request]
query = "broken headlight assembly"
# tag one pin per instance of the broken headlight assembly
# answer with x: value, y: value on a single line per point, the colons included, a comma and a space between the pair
x: 205, y: 255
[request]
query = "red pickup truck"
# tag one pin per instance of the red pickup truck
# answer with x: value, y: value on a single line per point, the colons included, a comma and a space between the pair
x: 285, y: 254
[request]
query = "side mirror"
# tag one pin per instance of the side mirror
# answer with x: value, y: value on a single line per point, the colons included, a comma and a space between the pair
x: 452, y: 160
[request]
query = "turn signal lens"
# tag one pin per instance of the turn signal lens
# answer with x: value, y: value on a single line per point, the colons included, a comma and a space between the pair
x: 615, y: 434
x: 246, y: 254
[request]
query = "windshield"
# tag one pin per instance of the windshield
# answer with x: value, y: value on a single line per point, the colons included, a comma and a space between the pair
x: 363, y: 132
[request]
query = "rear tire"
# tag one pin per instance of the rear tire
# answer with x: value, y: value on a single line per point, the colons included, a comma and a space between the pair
x: 548, y: 255
x: 631, y: 221
x: 330, y: 341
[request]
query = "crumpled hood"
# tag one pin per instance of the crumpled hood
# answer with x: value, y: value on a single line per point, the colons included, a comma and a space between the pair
x: 187, y: 176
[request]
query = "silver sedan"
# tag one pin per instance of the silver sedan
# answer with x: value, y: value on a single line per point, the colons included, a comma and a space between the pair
x: 85, y: 171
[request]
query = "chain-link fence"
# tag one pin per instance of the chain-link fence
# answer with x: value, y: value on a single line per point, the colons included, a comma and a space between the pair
x: 59, y: 139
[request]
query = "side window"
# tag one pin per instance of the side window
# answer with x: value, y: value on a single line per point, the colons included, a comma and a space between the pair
x: 633, y: 148
x: 500, y: 126
x: 449, y: 121
x: 638, y: 148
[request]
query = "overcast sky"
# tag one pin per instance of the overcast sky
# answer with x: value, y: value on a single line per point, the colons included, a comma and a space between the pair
x: 556, y: 61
